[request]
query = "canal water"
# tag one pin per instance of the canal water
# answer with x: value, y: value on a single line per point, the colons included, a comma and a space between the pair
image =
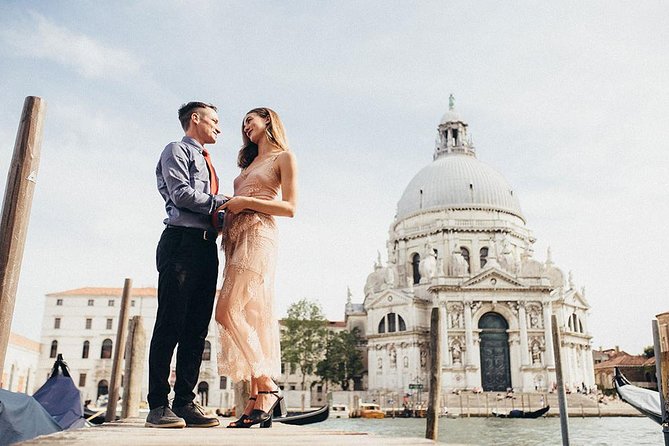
x: 605, y: 431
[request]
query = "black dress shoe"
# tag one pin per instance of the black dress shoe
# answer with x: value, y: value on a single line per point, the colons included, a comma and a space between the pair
x: 194, y: 416
x: 163, y: 417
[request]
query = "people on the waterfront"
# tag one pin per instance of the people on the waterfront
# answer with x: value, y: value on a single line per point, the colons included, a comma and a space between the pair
x: 187, y: 263
x: 248, y: 327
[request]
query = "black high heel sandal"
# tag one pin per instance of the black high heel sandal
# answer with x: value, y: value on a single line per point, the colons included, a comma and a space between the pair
x: 263, y: 418
x: 241, y: 422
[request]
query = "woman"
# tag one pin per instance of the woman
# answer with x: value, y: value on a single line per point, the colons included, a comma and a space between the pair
x: 248, y: 327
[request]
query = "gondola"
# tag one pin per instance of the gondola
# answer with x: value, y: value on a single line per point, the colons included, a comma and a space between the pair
x: 522, y: 414
x: 645, y: 401
x: 315, y: 416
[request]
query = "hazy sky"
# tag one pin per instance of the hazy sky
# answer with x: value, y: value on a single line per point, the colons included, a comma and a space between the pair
x: 568, y: 100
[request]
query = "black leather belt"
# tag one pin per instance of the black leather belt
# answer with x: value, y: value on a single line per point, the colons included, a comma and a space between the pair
x: 200, y: 233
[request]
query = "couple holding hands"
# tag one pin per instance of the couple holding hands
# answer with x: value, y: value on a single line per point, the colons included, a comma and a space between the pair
x: 187, y: 262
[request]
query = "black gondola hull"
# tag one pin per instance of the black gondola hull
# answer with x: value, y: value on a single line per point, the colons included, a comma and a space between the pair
x: 315, y: 416
x: 523, y: 414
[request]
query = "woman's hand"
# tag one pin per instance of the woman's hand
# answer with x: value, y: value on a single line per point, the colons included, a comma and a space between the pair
x: 236, y: 204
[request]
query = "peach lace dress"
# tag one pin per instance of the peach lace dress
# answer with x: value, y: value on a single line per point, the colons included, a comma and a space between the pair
x: 248, y: 329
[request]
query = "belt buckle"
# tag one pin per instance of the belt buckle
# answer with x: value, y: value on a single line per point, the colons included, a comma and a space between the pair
x: 204, y: 235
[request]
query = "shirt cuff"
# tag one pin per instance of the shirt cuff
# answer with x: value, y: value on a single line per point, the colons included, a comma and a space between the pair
x: 216, y: 202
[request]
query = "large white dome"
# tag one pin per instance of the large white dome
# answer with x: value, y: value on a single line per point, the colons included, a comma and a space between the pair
x: 458, y: 181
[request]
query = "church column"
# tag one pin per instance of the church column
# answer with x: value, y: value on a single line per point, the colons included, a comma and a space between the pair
x: 475, y: 256
x: 549, y: 357
x: 469, y: 340
x: 522, y: 323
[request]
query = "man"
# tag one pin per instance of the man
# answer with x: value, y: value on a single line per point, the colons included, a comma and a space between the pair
x: 187, y: 262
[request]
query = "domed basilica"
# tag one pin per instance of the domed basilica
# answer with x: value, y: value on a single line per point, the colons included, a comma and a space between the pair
x: 459, y: 242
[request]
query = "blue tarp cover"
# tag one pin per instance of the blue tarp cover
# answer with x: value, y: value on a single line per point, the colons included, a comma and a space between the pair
x: 23, y: 418
x: 61, y: 398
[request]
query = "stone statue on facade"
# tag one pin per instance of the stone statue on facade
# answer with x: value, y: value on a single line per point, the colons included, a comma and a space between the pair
x: 458, y: 265
x: 506, y: 259
x: 428, y: 263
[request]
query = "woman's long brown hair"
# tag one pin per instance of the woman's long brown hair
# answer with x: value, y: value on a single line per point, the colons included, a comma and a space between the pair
x: 276, y: 135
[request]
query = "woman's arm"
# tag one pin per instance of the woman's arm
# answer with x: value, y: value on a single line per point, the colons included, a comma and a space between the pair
x: 288, y: 204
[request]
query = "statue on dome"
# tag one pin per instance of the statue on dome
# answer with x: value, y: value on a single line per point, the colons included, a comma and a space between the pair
x: 506, y: 259
x: 389, y: 274
x: 451, y: 102
x: 458, y: 265
x: 428, y: 264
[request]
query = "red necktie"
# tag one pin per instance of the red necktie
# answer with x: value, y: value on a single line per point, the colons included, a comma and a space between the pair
x: 213, y: 181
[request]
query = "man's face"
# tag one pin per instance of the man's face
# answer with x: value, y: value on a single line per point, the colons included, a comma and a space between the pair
x: 206, y: 125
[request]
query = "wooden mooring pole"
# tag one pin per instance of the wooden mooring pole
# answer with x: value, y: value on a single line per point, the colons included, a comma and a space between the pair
x: 562, y: 398
x: 661, y: 346
x: 432, y: 430
x: 135, y: 353
x: 16, y: 205
x: 115, y: 383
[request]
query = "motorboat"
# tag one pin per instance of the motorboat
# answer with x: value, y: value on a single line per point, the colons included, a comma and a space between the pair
x: 339, y: 411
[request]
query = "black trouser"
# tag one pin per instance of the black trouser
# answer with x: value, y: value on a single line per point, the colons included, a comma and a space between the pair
x: 188, y: 269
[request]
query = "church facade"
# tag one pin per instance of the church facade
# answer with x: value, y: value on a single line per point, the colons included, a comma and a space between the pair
x: 459, y: 242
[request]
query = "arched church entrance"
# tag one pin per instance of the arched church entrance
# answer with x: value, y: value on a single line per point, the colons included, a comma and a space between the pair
x: 495, y: 365
x: 203, y: 391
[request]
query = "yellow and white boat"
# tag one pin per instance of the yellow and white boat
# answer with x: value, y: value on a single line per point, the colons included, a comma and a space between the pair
x: 371, y: 410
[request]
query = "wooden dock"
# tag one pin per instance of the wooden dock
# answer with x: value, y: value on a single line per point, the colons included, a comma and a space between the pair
x: 132, y: 432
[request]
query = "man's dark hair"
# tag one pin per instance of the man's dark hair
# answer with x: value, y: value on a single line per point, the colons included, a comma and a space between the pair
x: 186, y: 110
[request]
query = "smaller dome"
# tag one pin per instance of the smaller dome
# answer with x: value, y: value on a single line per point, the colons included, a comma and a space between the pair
x: 451, y: 116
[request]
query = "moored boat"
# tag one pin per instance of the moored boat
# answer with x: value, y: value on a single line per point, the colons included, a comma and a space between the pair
x: 339, y: 411
x: 315, y: 416
x: 371, y: 410
x: 522, y: 414
x: 645, y: 401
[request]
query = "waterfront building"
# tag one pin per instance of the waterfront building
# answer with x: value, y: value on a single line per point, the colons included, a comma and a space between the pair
x: 459, y: 242
x: 20, y: 366
x: 82, y: 323
x: 638, y: 369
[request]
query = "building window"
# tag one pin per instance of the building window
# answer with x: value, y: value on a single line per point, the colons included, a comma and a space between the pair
x: 89, y: 323
x: 59, y: 302
x: 319, y: 389
x: 465, y: 254
x: 415, y: 264
x: 132, y: 303
x: 292, y: 370
x: 483, y: 254
x: 391, y: 322
x: 283, y: 368
x: 82, y: 380
x: 56, y: 323
x: 106, y: 351
x: 395, y: 323
x: 292, y: 387
x: 223, y: 383
x: 401, y: 323
x: 84, y: 351
x: 54, y: 349
x: 110, y: 303
x: 109, y: 323
x: 206, y: 353
x: 90, y: 302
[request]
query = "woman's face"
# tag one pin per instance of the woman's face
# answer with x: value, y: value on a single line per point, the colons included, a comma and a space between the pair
x: 254, y: 127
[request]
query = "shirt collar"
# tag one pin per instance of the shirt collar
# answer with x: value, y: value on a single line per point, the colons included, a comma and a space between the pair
x: 192, y: 142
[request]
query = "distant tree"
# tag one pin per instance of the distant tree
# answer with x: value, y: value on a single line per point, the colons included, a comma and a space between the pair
x: 304, y: 336
x: 649, y: 351
x: 343, y: 359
